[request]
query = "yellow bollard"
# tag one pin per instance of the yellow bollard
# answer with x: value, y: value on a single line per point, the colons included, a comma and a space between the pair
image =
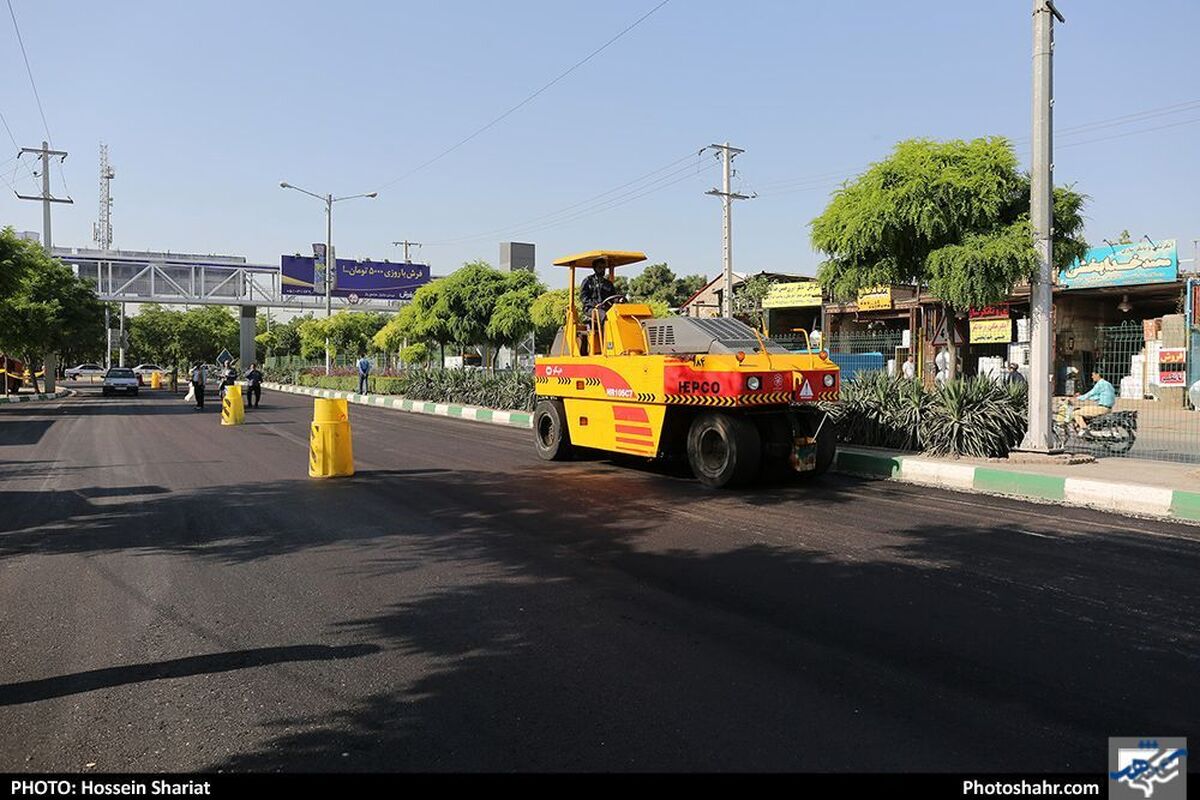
x: 232, y: 410
x: 155, y: 380
x: 329, y: 450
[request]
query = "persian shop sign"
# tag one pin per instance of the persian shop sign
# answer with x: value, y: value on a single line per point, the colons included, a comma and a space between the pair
x: 793, y: 295
x: 1123, y: 265
x: 991, y: 331
x: 875, y: 299
x: 367, y: 279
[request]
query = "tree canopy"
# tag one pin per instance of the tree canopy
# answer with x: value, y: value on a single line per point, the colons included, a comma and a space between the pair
x: 658, y: 283
x: 46, y: 308
x: 950, y: 216
x: 181, y: 338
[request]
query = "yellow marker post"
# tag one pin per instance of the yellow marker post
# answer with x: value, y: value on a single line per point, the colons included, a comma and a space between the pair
x: 329, y: 450
x: 155, y: 380
x: 232, y: 410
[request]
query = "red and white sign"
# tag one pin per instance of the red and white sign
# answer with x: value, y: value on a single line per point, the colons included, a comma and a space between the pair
x: 1172, y: 366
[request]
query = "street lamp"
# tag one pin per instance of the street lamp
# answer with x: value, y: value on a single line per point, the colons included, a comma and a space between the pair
x: 330, y: 261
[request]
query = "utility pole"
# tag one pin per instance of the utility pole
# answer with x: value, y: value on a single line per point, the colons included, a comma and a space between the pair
x: 407, y: 244
x: 51, y: 363
x: 727, y: 196
x: 1041, y: 207
x: 45, y: 152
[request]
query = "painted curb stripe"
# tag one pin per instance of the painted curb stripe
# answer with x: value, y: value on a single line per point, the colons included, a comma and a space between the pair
x: 1136, y: 498
x: 515, y: 419
x: 937, y: 473
x: 1026, y: 484
x: 1186, y: 505
x: 868, y: 464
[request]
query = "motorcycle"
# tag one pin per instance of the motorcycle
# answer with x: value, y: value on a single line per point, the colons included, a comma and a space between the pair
x: 1114, y: 432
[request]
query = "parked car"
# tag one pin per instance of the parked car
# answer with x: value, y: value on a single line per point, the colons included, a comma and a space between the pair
x: 120, y: 379
x: 85, y: 371
x: 144, y: 371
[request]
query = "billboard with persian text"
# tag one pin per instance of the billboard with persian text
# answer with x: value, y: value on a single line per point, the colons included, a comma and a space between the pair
x: 369, y: 280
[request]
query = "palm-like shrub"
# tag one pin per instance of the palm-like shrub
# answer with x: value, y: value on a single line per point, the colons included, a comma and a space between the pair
x: 973, y: 417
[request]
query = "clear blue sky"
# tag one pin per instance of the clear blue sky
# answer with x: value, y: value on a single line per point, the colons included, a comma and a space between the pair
x: 207, y: 106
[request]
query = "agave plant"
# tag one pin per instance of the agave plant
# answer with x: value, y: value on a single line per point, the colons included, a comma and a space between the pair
x: 972, y: 417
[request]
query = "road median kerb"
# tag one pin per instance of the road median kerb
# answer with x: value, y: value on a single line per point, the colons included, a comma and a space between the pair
x: 1135, y: 499
x: 1121, y: 498
x: 490, y: 416
x: 30, y: 398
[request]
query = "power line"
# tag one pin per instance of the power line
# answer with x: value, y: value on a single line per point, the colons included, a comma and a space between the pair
x: 524, y: 102
x: 32, y: 174
x: 32, y: 83
x: 670, y: 170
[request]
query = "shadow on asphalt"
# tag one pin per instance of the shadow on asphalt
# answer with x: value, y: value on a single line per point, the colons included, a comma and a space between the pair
x: 23, y: 432
x: 62, y: 685
x: 563, y: 633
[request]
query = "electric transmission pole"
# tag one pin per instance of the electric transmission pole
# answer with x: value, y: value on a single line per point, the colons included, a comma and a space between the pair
x: 727, y: 197
x: 45, y: 152
x: 407, y: 244
x: 1041, y: 208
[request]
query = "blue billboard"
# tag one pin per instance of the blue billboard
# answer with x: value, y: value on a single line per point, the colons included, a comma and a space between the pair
x: 1123, y: 265
x: 368, y: 280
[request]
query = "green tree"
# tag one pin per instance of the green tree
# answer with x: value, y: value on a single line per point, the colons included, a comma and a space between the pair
x: 351, y: 333
x: 48, y: 310
x: 417, y: 353
x: 204, y: 332
x: 154, y: 335
x: 748, y: 298
x: 511, y: 320
x: 658, y: 282
x: 15, y: 262
x: 548, y: 313
x: 952, y: 217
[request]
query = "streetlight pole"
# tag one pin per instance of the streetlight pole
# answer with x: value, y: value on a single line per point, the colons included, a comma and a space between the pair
x: 330, y: 261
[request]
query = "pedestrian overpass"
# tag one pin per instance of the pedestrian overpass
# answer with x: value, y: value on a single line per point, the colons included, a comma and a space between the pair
x: 134, y: 276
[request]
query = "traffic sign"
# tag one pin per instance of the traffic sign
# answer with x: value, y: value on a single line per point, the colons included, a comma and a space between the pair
x: 225, y: 358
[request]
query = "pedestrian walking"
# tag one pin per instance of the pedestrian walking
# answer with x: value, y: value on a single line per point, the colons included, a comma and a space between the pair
x: 254, y: 392
x: 198, y: 385
x: 364, y: 370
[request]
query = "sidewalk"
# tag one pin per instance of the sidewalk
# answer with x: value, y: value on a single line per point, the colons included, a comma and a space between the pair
x: 1120, y: 485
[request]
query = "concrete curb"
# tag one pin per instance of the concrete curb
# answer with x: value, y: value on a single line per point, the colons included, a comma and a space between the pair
x: 491, y: 416
x: 1122, y: 498
x: 30, y: 398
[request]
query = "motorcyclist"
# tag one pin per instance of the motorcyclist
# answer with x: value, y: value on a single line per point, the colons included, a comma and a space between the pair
x: 1097, y: 402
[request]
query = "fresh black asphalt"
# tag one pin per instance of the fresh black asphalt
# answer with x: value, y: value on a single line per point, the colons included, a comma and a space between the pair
x: 178, y: 596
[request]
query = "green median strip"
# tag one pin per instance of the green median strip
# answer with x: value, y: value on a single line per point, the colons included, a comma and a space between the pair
x: 1025, y: 484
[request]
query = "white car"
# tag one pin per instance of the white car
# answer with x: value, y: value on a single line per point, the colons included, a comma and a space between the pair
x: 85, y: 371
x: 144, y: 371
x: 120, y: 379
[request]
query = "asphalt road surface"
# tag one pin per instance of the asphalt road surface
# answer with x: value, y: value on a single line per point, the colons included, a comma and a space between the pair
x: 177, y: 595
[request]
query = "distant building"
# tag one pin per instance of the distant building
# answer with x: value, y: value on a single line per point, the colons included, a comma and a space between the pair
x: 708, y: 301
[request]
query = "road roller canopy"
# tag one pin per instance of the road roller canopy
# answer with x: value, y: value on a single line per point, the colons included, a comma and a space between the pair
x: 615, y: 258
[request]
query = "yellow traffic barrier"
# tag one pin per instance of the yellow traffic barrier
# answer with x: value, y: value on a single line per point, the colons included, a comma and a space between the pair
x: 329, y: 450
x: 155, y: 380
x: 233, y: 412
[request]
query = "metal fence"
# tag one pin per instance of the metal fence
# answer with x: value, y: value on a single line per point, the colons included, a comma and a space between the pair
x: 863, y: 351
x: 1145, y: 363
